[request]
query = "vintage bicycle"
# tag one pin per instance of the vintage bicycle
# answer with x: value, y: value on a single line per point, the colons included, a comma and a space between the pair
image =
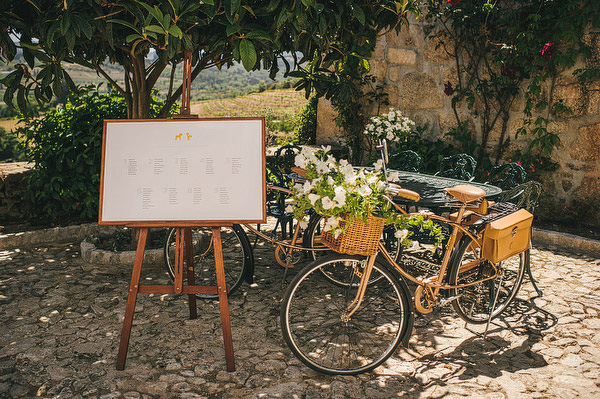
x: 354, y: 324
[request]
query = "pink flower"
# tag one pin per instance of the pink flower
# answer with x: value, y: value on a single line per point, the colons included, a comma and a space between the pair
x: 454, y: 2
x: 548, y: 50
x: 448, y: 89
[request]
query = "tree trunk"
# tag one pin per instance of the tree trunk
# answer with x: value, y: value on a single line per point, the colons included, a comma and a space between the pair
x: 139, y: 107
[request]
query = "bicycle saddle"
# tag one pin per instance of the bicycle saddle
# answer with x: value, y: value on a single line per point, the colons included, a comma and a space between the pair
x: 465, y: 193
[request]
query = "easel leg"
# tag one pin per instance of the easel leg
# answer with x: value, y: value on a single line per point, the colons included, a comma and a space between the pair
x: 134, y: 286
x: 189, y: 255
x: 223, y: 304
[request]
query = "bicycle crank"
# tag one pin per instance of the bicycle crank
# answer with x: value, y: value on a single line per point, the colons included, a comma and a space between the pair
x: 424, y: 304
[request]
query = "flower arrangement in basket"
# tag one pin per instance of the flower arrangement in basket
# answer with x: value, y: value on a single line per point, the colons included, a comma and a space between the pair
x: 352, y: 201
x: 392, y: 127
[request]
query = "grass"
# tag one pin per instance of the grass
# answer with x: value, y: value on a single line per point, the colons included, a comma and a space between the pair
x: 277, y: 103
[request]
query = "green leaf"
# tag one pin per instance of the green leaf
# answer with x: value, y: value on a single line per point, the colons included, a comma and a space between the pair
x: 175, y: 31
x: 154, y: 11
x: 250, y: 10
x: 247, y: 54
x: 155, y: 28
x: 86, y: 28
x: 358, y: 14
x: 132, y: 37
x: 257, y: 34
x: 231, y: 29
x: 209, y: 2
x: 65, y: 22
x: 234, y: 6
x: 124, y: 23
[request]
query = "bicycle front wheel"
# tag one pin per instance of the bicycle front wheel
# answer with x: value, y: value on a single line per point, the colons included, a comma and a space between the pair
x: 316, y: 332
x: 476, y: 302
x: 237, y: 257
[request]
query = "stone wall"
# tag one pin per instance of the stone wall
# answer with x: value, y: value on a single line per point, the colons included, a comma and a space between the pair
x: 12, y: 189
x: 414, y: 72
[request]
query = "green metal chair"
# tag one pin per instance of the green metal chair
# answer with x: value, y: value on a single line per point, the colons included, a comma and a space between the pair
x: 408, y: 161
x: 507, y: 176
x: 458, y: 166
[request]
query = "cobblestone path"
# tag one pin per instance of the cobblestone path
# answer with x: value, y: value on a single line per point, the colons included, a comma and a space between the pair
x: 60, y: 323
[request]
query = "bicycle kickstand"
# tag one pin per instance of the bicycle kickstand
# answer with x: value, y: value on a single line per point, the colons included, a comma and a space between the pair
x: 493, y: 305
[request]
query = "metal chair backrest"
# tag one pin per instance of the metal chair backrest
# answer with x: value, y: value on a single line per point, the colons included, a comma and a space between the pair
x: 408, y: 161
x: 458, y: 166
x: 507, y: 176
x: 526, y: 195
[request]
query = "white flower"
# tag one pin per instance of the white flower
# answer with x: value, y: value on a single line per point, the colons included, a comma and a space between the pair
x: 372, y: 179
x: 322, y: 167
x: 379, y: 164
x: 289, y: 209
x: 300, y: 160
x: 401, y: 234
x: 327, y: 203
x: 340, y: 196
x: 330, y: 180
x: 364, y: 190
x: 394, y: 176
x: 332, y: 223
x: 303, y: 224
x: 313, y: 198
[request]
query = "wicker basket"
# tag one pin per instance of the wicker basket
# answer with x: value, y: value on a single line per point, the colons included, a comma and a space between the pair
x: 358, y: 238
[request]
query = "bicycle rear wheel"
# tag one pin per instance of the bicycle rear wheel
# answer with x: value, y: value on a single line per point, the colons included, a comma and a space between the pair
x: 237, y: 257
x: 312, y: 310
x: 474, y: 303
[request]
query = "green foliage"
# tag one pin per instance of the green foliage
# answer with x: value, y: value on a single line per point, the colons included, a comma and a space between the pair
x: 11, y: 149
x: 65, y: 146
x: 306, y: 123
x: 256, y: 34
x: 505, y: 49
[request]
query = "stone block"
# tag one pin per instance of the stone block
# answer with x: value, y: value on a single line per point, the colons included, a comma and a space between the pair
x: 378, y: 69
x: 409, y: 36
x: 571, y: 93
x: 419, y: 91
x: 327, y: 131
x: 379, y: 51
x: 586, y: 147
x: 394, y: 73
x: 401, y: 56
x: 437, y: 51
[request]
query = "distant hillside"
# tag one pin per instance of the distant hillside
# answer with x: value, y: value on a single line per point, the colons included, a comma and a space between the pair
x: 210, y: 84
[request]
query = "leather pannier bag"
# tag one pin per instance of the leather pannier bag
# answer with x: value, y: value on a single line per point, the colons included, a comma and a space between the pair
x: 507, y: 236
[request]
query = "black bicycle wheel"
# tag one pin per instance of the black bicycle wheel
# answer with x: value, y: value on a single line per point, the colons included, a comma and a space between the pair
x: 313, y: 327
x: 474, y: 303
x: 312, y: 236
x: 237, y: 257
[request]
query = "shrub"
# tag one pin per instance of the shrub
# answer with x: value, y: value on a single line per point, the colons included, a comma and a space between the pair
x: 306, y: 123
x: 11, y: 148
x: 66, y: 147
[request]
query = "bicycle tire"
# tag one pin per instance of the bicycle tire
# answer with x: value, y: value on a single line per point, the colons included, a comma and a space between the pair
x: 473, y: 303
x: 311, y: 321
x: 237, y: 257
x: 314, y: 229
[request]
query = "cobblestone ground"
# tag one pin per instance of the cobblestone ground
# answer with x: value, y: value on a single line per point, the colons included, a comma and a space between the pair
x: 60, y: 323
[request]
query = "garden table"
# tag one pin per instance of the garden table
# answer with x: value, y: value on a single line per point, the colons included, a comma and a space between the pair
x: 430, y: 188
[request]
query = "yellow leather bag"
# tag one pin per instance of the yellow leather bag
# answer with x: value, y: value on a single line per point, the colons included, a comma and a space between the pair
x: 507, y: 236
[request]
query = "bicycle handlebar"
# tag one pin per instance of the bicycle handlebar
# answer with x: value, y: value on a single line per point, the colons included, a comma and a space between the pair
x: 395, y: 189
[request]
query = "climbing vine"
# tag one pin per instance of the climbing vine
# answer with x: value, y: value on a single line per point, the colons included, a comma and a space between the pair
x: 505, y: 50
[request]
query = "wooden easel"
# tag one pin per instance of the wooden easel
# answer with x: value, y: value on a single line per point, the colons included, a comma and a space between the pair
x: 183, y: 248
